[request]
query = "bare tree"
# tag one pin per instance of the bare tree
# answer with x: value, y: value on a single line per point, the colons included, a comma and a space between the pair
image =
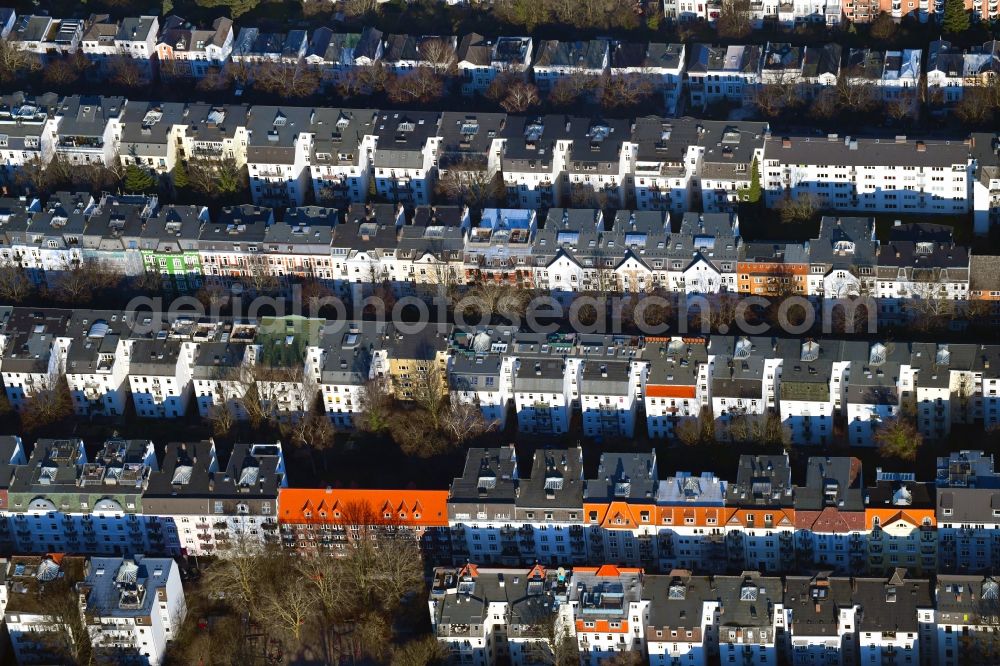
x: 375, y: 406
x: 76, y: 282
x: 126, y: 73
x: 734, y: 19
x: 49, y: 402
x: 856, y: 93
x: 363, y: 80
x: 421, y: 85
x: 626, y: 90
x: 15, y: 62
x: 287, y: 79
x: 469, y: 182
x: 569, y: 90
x: 425, y: 651
x: 15, y: 286
x: 440, y: 54
x: 462, y: 421
x: 798, y: 209
x: 520, y: 97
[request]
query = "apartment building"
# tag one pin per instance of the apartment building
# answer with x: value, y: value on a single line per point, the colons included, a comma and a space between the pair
x: 676, y: 388
x: 608, y: 608
x: 830, y: 531
x: 900, y: 517
x: 62, y: 502
x: 967, y: 490
x: 661, y: 65
x: 549, y: 509
x: 482, y: 59
x: 278, y: 155
x: 481, y: 507
x: 691, y: 520
x: 327, y: 522
x: 337, y: 55
x: 619, y: 507
x: 406, y: 145
x: 192, y: 506
x: 343, y: 142
x: 861, y: 174
x: 534, y: 157
x: 36, y: 637
x: 761, y: 530
x: 132, y: 606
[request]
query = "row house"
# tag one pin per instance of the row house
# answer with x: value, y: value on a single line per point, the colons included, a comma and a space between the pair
x: 254, y: 47
x: 346, y: 366
x: 810, y: 388
x: 97, y: 362
x: 469, y: 150
x: 888, y: 76
x: 830, y: 531
x: 950, y: 70
x: 215, y: 132
x: 150, y: 135
x: 185, y: 50
x: 691, y: 522
x: 676, y: 388
x: 548, y: 508
x: 404, y: 53
x: 761, y: 529
x: 773, y: 268
x: 45, y: 36
x: 34, y: 352
x: 483, y: 616
x: 534, y: 159
x: 338, y: 54
x: 27, y: 130
x: 558, y: 60
x: 480, y: 60
x: 921, y: 261
x: 901, y: 523
x: 500, y: 247
x: 869, y: 175
x: 722, y: 74
x: 481, y: 372
x: 89, y: 129
x: 131, y: 605
x: 481, y: 506
x: 619, y: 508
x: 168, y: 245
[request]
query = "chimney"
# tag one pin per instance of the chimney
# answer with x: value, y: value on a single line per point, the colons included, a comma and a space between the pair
x: 786, y: 142
x: 921, y: 147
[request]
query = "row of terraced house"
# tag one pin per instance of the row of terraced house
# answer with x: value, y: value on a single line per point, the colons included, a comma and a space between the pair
x: 336, y: 156
x: 917, y: 271
x: 125, y: 499
x: 813, y: 391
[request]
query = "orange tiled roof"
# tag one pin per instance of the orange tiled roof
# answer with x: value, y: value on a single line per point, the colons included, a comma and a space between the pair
x: 620, y: 515
x: 609, y: 570
x: 672, y: 391
x: 677, y: 515
x: 415, y: 508
x: 780, y: 517
x: 889, y: 516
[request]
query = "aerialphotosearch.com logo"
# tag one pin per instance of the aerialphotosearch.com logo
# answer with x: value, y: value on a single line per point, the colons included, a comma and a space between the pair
x: 647, y: 314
